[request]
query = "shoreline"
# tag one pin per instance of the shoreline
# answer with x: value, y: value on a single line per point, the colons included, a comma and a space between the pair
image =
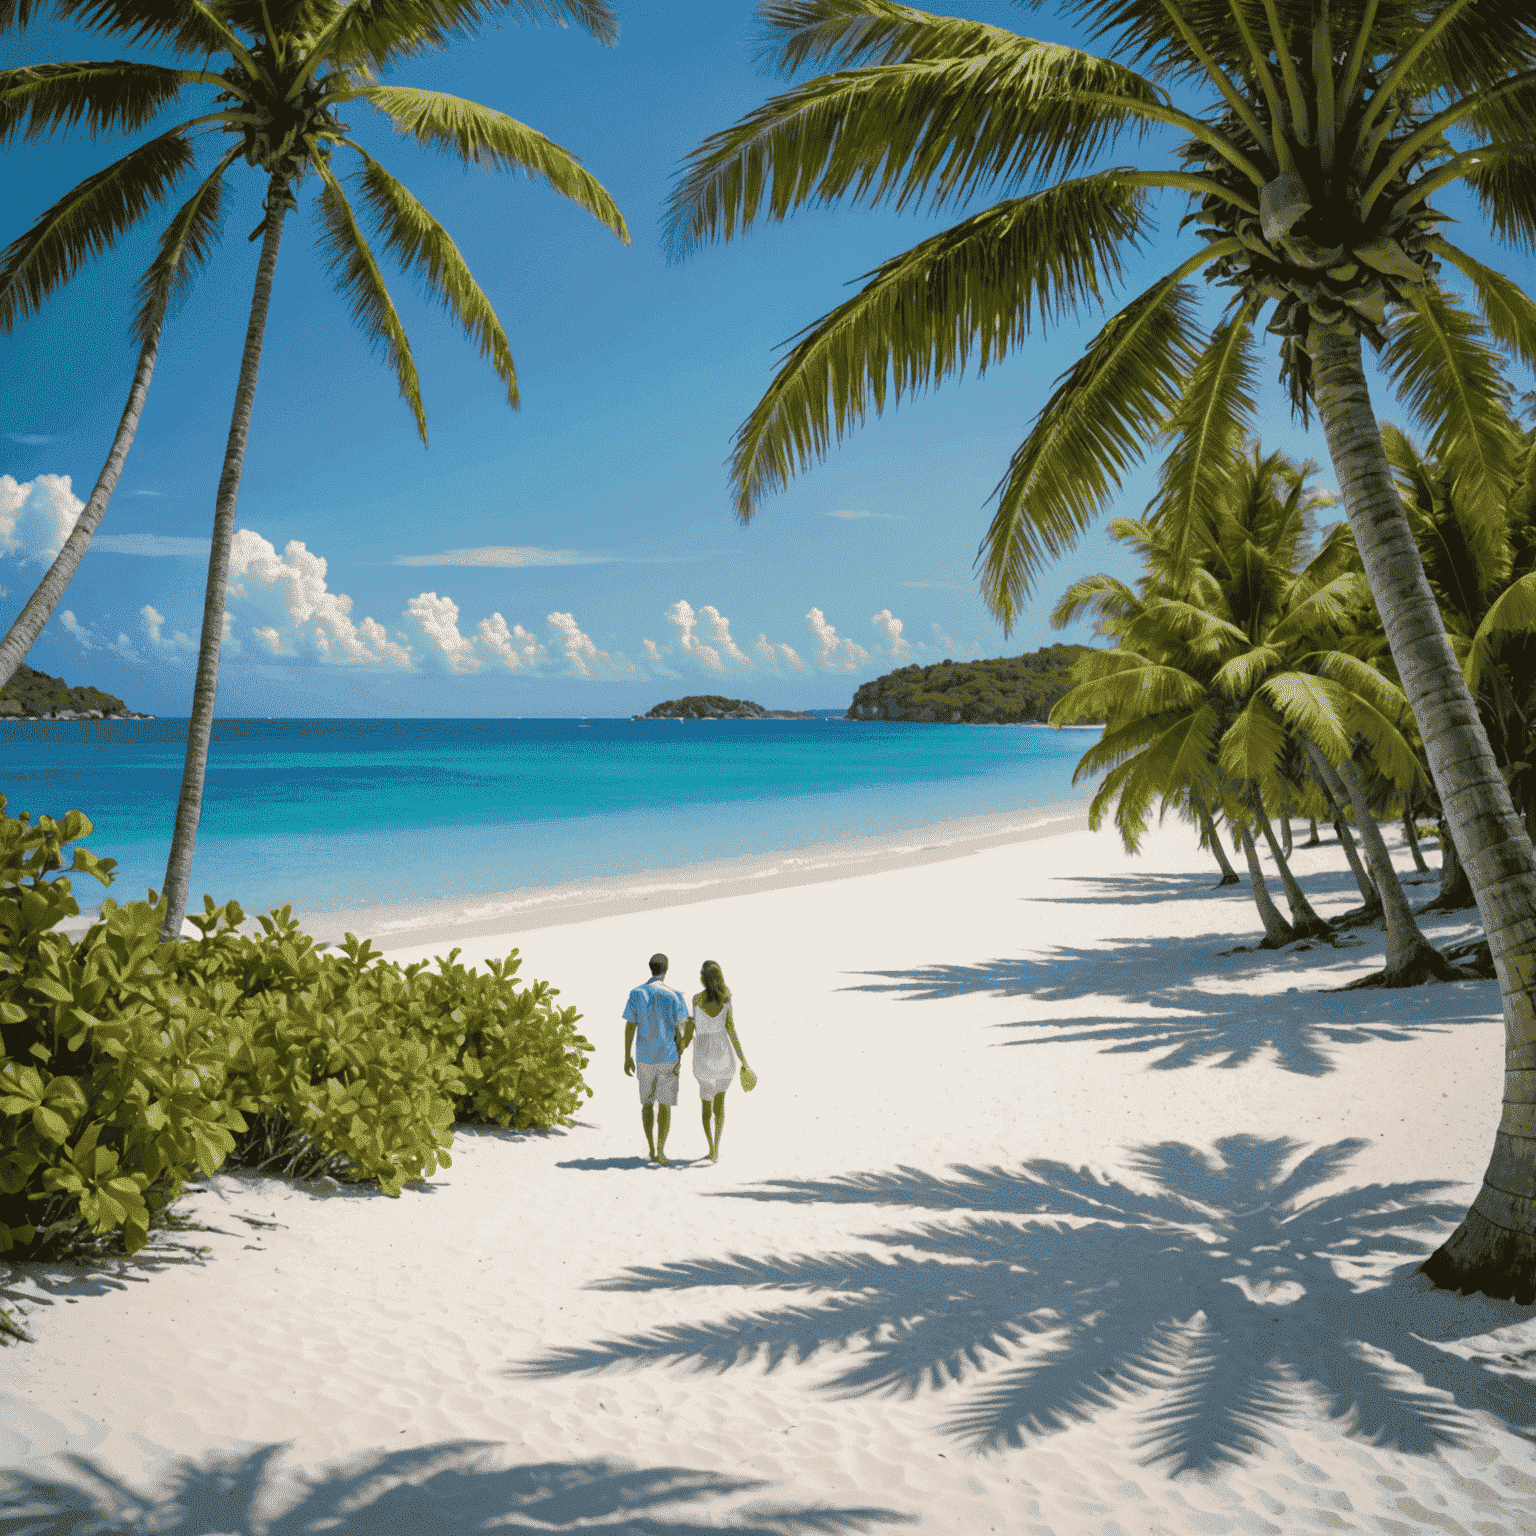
x: 521, y: 909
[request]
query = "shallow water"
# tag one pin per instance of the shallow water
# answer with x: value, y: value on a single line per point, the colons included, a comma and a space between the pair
x: 331, y: 814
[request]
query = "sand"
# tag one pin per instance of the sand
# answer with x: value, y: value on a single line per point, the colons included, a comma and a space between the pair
x: 1050, y: 1214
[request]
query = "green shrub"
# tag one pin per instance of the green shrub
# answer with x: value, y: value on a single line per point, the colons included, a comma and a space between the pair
x: 128, y: 1065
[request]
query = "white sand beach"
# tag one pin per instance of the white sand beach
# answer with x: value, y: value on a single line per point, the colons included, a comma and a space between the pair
x: 1050, y: 1215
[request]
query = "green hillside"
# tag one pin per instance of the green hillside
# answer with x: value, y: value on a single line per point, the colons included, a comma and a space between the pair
x: 1004, y: 690
x: 36, y: 695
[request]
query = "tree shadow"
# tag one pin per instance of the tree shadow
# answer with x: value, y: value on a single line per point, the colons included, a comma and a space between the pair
x: 1213, y: 1296
x: 450, y: 1487
x: 1190, y: 1023
x: 1150, y: 887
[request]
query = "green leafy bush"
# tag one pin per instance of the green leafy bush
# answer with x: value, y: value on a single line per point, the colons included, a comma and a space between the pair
x: 127, y: 1065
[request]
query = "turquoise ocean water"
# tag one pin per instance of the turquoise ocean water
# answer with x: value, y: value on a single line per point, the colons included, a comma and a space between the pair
x: 341, y: 814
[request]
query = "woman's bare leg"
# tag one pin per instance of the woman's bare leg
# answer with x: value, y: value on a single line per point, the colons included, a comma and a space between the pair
x: 714, y: 1146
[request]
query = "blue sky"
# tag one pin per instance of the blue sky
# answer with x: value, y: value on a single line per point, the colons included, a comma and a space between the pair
x: 578, y: 556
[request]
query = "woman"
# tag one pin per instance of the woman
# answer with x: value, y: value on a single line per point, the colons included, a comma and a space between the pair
x: 715, y: 1049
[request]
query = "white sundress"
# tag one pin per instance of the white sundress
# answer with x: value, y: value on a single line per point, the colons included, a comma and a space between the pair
x: 714, y: 1057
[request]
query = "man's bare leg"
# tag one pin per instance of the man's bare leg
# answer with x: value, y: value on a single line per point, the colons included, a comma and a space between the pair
x: 647, y: 1119
x: 714, y: 1146
x: 663, y: 1125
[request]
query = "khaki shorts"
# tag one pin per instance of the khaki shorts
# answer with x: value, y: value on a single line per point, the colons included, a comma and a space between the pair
x: 658, y: 1081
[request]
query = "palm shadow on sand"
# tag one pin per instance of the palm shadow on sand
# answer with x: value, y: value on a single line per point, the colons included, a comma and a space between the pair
x: 1193, y: 1023
x: 449, y: 1489
x: 1213, y: 1296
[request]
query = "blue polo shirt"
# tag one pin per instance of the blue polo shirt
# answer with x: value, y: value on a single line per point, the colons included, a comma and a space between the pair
x: 658, y: 1010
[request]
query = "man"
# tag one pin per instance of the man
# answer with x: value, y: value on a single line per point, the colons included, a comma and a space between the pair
x: 656, y: 1014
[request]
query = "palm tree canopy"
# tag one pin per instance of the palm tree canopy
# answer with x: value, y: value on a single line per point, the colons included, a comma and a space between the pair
x: 288, y: 68
x: 1313, y: 137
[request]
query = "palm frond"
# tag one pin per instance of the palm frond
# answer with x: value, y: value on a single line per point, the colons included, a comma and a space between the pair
x: 118, y: 96
x: 357, y: 275
x: 1105, y: 596
x: 1316, y: 707
x: 932, y: 131
x: 1254, y: 743
x: 1206, y: 432
x: 1144, y: 689
x: 1098, y: 420
x: 1328, y: 608
x: 844, y: 34
x: 380, y: 32
x: 1173, y: 766
x: 967, y: 295
x: 422, y: 245
x: 87, y: 221
x: 183, y: 26
x: 1513, y: 612
x: 1439, y: 357
x: 1509, y: 315
x: 1505, y: 188
x: 1238, y: 677
x: 184, y: 248
x: 481, y: 136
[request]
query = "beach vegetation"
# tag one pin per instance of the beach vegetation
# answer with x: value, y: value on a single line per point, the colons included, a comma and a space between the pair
x: 36, y: 695
x: 1003, y: 690
x: 1307, y: 141
x: 131, y: 1065
x: 266, y: 83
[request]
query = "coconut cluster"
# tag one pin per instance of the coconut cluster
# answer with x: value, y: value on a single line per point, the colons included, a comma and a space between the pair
x: 1313, y: 253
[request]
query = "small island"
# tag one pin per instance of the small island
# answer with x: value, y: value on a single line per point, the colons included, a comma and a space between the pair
x: 34, y: 695
x: 712, y: 706
x: 1007, y: 690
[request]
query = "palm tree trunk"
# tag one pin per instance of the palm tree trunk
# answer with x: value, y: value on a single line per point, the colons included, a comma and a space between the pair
x: 1411, y: 836
x: 1277, y: 932
x: 28, y: 625
x: 1494, y: 1249
x: 178, y: 869
x: 1229, y: 876
x: 1455, y: 889
x: 1304, y: 921
x: 1333, y: 793
x: 1285, y: 836
x: 1313, y: 841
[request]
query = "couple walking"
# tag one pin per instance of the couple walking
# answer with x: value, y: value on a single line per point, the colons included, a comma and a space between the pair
x: 655, y: 1038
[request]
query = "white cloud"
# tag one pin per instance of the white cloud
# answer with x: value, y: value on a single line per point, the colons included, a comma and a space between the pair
x: 32, y: 439
x: 77, y: 629
x: 892, y: 626
x: 838, y: 654
x: 124, y: 648
x: 289, y: 607
x: 654, y: 656
x: 682, y: 615
x: 859, y: 516
x: 36, y: 516
x: 163, y: 544
x: 173, y: 647
x: 705, y: 636
x: 436, y: 619
x: 776, y: 658
x: 516, y: 649
x: 582, y: 655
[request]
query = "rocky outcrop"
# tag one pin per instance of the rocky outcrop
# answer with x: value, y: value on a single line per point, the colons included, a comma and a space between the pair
x: 34, y: 695
x: 713, y: 706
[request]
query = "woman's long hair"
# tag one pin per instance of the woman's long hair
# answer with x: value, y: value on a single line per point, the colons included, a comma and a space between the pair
x: 715, y: 989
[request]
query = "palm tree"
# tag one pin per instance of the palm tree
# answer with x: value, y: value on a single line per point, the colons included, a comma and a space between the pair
x: 290, y: 66
x: 1313, y: 136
